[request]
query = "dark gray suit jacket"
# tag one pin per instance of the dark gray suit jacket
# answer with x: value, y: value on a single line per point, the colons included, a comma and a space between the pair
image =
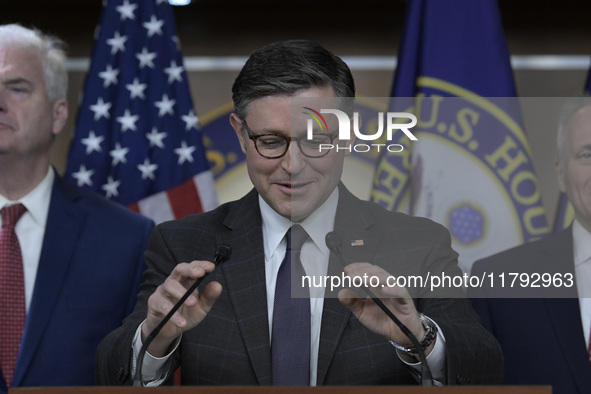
x: 231, y: 345
x: 542, y: 338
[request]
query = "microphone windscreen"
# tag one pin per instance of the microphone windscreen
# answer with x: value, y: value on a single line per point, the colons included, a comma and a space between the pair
x: 333, y: 241
x: 222, y: 253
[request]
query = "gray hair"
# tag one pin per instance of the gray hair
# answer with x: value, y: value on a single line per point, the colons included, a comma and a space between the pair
x: 567, y: 111
x: 285, y: 67
x: 51, y: 52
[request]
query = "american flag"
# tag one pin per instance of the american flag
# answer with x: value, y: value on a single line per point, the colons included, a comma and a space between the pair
x: 137, y: 139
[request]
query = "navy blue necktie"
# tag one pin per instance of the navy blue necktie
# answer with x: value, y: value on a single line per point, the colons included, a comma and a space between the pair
x: 290, y: 343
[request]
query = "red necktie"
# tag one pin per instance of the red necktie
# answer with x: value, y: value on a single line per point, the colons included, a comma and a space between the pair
x: 12, y: 291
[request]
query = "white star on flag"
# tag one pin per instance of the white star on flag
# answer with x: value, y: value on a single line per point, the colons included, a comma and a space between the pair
x: 111, y: 187
x: 137, y: 82
x: 156, y: 138
x: 190, y: 120
x: 165, y: 106
x: 118, y: 154
x: 127, y: 10
x: 147, y: 169
x: 128, y: 121
x: 154, y: 26
x: 174, y: 72
x: 117, y: 43
x: 93, y: 142
x: 146, y: 58
x: 83, y: 176
x: 185, y: 152
x: 177, y: 42
x: 101, y: 109
x: 109, y: 76
x: 136, y: 89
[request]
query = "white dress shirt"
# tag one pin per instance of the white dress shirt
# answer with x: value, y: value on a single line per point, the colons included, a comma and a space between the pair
x: 314, y: 257
x: 582, y: 260
x: 30, y: 229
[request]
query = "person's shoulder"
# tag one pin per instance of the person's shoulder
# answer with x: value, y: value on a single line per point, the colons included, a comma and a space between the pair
x: 523, y: 255
x: 99, y: 206
x: 383, y: 219
x: 528, y: 267
x: 389, y: 218
x: 214, y: 217
x: 200, y: 218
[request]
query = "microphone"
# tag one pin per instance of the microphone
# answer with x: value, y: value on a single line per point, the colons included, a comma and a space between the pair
x: 222, y: 254
x: 334, y: 243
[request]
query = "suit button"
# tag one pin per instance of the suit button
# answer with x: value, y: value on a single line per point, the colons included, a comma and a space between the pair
x: 462, y: 379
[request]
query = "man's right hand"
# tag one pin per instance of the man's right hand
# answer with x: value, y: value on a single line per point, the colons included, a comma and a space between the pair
x: 189, y: 315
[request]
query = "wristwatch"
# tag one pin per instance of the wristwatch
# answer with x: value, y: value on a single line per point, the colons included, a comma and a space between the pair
x: 426, y: 341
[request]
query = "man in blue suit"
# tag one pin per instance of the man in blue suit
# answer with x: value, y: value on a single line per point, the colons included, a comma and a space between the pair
x: 82, y: 256
x: 545, y: 334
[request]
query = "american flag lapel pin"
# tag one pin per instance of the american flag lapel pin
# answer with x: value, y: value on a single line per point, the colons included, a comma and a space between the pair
x: 357, y: 242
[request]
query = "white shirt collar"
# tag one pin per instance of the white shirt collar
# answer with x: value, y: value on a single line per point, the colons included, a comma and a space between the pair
x: 317, y: 225
x: 37, y: 200
x: 581, y: 244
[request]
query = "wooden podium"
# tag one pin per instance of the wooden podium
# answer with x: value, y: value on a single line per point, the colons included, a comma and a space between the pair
x: 286, y: 390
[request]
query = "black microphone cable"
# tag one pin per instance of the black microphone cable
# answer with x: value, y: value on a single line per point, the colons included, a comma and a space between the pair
x: 222, y: 254
x: 334, y: 242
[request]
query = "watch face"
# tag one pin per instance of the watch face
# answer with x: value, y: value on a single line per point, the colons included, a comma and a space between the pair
x: 426, y: 341
x: 431, y: 328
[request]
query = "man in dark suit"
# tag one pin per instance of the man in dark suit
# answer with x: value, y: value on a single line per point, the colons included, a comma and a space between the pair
x: 80, y: 258
x: 545, y: 333
x: 225, y: 332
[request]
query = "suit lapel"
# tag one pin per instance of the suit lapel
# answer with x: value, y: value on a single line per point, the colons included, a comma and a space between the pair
x: 566, y: 321
x: 64, y: 222
x: 245, y: 281
x: 565, y: 313
x: 247, y: 291
x: 353, y: 224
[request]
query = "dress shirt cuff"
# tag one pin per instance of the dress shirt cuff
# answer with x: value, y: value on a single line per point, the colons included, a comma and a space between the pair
x: 435, y: 359
x: 154, y: 371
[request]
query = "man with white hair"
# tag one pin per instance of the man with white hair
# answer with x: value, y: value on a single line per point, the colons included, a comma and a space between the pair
x: 545, y: 336
x: 70, y: 261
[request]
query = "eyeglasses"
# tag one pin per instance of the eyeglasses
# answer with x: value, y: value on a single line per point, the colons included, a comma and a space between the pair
x: 274, y: 146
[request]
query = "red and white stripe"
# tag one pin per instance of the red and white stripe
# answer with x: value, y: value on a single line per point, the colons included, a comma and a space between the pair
x: 193, y: 196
